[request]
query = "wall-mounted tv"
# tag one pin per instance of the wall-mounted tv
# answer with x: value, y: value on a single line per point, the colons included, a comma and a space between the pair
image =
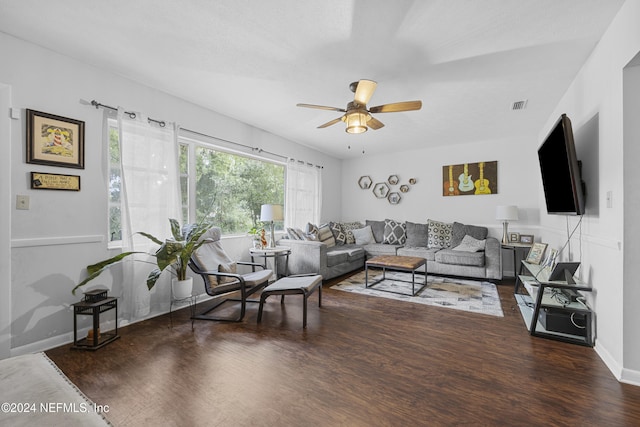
x: 560, y: 169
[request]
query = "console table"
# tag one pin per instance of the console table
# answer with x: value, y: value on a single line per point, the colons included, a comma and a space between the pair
x: 548, y: 311
x: 94, y: 307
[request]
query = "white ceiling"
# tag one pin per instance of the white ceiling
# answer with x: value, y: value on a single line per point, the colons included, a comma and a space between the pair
x: 468, y: 61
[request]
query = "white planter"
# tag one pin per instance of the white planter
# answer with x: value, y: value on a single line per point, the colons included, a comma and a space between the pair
x: 182, y: 288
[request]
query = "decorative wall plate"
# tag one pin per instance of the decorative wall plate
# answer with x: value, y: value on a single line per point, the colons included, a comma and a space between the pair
x: 404, y: 188
x: 394, y: 198
x: 365, y: 182
x: 381, y: 190
x: 393, y: 179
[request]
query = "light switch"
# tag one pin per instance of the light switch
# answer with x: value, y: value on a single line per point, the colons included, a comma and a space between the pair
x: 22, y: 202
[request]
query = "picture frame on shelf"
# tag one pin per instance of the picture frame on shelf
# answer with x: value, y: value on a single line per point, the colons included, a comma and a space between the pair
x: 550, y: 259
x: 514, y: 237
x: 54, y: 140
x: 536, y: 253
x: 526, y: 239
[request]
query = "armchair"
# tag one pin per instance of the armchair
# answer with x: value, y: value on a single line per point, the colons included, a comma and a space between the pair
x: 220, y: 277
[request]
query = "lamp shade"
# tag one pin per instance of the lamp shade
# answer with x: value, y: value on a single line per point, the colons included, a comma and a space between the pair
x: 507, y: 213
x: 271, y: 213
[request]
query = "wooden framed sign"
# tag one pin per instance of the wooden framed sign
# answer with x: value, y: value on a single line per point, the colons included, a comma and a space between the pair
x: 54, y: 181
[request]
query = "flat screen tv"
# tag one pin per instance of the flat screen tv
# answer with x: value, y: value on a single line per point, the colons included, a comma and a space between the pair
x: 560, y: 169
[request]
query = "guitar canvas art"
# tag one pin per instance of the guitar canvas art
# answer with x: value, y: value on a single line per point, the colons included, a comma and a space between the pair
x: 470, y: 179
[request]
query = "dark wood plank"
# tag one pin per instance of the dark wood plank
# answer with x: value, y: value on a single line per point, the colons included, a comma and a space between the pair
x: 361, y: 361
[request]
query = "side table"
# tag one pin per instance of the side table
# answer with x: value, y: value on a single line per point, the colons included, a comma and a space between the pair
x: 514, y: 247
x: 275, y: 253
x: 94, y: 309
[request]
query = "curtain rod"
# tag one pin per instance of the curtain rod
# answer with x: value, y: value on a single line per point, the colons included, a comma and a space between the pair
x: 131, y: 114
x: 161, y: 123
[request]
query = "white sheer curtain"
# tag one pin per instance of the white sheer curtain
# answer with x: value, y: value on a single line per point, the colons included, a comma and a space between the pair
x: 150, y: 196
x: 303, y: 198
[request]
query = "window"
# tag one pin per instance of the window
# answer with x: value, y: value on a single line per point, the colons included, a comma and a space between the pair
x: 225, y: 188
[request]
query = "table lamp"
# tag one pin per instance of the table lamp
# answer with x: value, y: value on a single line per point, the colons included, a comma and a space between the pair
x: 506, y: 214
x: 271, y: 213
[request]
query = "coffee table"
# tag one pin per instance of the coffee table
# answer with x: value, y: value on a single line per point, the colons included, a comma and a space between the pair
x: 396, y: 263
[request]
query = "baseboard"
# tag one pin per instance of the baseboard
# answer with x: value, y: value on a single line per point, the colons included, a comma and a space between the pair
x: 627, y: 376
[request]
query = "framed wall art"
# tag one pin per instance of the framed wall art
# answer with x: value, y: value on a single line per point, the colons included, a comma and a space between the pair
x: 54, y: 181
x: 54, y: 140
x: 470, y: 179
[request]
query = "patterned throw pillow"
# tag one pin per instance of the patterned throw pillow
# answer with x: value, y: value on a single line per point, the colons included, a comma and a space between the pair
x: 326, y: 236
x: 347, y: 227
x: 312, y: 229
x: 395, y: 233
x: 338, y: 233
x: 440, y: 234
x: 294, y: 234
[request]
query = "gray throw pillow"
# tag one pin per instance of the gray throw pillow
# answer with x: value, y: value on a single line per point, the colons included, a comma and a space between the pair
x: 461, y: 230
x: 417, y: 235
x: 469, y: 244
x: 377, y: 227
x: 395, y: 233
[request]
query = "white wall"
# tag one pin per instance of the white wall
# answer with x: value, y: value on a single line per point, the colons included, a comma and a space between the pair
x: 594, y: 102
x: 518, y: 180
x: 64, y: 231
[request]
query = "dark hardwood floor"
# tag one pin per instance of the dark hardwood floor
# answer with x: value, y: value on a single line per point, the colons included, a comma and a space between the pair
x: 362, y: 361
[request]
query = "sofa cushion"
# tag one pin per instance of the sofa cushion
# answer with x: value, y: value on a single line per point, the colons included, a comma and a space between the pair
x: 460, y: 230
x: 420, y: 252
x: 449, y: 256
x: 348, y: 228
x: 363, y: 236
x: 295, y: 234
x: 377, y: 227
x: 338, y: 233
x: 417, y: 235
x: 343, y: 254
x: 469, y: 244
x: 326, y: 236
x: 312, y: 229
x: 375, y: 249
x: 439, y: 234
x: 395, y: 233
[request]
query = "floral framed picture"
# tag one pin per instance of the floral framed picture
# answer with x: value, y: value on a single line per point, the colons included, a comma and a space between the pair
x: 54, y: 140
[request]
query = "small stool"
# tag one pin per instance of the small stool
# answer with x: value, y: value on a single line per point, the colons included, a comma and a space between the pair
x: 291, y: 285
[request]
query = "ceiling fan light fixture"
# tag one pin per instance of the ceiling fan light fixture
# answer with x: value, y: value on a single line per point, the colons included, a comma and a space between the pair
x: 356, y: 122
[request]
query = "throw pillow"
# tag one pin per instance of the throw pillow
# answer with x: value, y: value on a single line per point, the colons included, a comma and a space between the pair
x: 417, y: 235
x: 363, y: 236
x: 326, y: 236
x: 469, y: 244
x: 377, y: 227
x: 293, y: 234
x: 348, y: 227
x: 227, y: 268
x: 338, y: 233
x: 395, y: 232
x: 439, y: 234
x: 461, y: 230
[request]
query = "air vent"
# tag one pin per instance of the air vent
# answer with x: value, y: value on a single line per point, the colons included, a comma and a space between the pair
x: 519, y: 105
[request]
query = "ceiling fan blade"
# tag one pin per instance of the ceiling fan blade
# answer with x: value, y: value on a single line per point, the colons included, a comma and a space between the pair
x: 397, y: 107
x: 364, y: 91
x: 332, y: 122
x: 374, y: 124
x: 322, y: 107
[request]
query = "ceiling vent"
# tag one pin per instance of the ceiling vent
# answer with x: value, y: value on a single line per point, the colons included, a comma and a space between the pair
x: 519, y: 105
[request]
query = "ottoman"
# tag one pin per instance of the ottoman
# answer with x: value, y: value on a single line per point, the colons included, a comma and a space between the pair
x: 302, y: 284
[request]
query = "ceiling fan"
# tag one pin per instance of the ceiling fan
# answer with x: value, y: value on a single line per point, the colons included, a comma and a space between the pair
x: 357, y: 116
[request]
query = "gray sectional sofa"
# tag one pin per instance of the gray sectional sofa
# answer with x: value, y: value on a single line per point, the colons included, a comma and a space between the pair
x: 452, y: 249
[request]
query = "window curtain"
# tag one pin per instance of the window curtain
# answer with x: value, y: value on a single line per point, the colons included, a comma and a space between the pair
x: 150, y: 196
x: 303, y: 198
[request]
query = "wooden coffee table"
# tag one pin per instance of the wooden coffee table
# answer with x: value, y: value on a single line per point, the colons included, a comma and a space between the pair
x: 396, y: 263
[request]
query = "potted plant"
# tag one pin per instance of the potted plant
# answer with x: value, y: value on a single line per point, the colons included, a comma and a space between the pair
x: 173, y: 254
x: 255, y: 238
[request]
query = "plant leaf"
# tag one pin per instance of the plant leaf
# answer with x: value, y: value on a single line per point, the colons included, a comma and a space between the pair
x: 153, y: 277
x: 150, y: 237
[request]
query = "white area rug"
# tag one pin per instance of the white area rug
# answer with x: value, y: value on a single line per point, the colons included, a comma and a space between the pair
x: 36, y: 393
x: 459, y: 294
